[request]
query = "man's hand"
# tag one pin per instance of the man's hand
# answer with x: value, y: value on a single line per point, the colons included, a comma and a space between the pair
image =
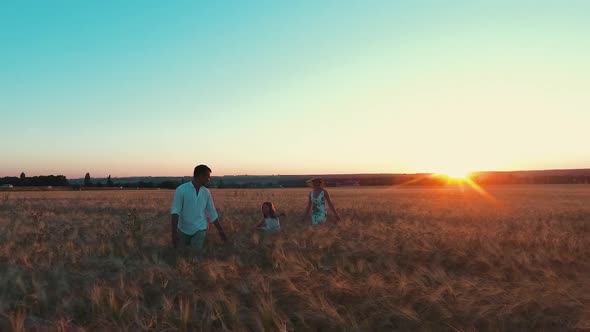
x: 175, y: 238
x: 217, y: 224
x: 223, y: 237
x: 174, y: 230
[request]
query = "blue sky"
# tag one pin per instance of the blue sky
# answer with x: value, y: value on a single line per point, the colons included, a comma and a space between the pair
x: 277, y: 87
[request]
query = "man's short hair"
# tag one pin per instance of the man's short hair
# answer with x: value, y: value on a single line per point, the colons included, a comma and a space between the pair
x: 200, y: 170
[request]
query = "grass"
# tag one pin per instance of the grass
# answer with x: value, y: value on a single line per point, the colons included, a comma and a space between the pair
x: 416, y: 259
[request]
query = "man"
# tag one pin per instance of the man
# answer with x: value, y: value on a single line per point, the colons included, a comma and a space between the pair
x: 191, y: 208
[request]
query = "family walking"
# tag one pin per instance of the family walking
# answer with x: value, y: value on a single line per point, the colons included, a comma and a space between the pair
x: 193, y: 208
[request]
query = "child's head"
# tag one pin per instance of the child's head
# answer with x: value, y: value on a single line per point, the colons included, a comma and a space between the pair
x: 268, y: 210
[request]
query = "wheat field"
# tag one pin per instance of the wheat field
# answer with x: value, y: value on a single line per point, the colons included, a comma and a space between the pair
x: 402, y: 259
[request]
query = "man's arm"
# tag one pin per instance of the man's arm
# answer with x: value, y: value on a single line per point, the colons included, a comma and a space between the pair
x: 212, y: 214
x: 174, y: 229
x: 220, y: 230
x: 174, y: 216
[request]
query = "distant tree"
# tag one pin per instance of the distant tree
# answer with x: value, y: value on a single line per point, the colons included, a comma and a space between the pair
x: 109, y: 181
x: 146, y: 184
x: 169, y: 184
x: 87, y: 182
x: 13, y: 180
x: 220, y: 184
x: 22, y: 176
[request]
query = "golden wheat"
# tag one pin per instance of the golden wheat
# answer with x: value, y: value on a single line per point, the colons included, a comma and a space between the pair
x: 402, y: 259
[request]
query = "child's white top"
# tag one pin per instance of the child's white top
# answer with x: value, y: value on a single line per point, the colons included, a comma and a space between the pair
x: 271, y: 224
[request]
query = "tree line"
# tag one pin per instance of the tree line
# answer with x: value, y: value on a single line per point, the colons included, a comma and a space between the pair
x: 35, y: 181
x: 90, y: 183
x: 347, y: 180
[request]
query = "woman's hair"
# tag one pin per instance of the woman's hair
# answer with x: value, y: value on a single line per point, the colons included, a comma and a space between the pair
x: 271, y: 207
x: 316, y: 183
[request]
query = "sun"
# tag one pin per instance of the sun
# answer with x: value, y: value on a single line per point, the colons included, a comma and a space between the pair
x: 463, y: 179
x: 458, y: 175
x: 454, y: 175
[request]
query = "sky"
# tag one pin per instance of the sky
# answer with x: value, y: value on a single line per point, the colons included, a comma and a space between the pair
x: 293, y: 87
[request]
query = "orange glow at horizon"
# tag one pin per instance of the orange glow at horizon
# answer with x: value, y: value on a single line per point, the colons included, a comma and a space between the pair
x: 461, y: 179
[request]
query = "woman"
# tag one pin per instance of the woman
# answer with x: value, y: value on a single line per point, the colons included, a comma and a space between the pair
x: 316, y: 202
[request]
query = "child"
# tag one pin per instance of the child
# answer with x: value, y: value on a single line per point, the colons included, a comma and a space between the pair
x: 316, y: 203
x: 271, y: 223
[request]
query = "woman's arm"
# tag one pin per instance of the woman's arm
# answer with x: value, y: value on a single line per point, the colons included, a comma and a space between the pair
x: 331, y: 205
x: 307, y: 209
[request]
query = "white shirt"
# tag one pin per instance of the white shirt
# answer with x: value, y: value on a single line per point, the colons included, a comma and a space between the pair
x: 192, y: 209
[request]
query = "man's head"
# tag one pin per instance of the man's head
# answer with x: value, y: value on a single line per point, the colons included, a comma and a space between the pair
x: 202, y: 174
